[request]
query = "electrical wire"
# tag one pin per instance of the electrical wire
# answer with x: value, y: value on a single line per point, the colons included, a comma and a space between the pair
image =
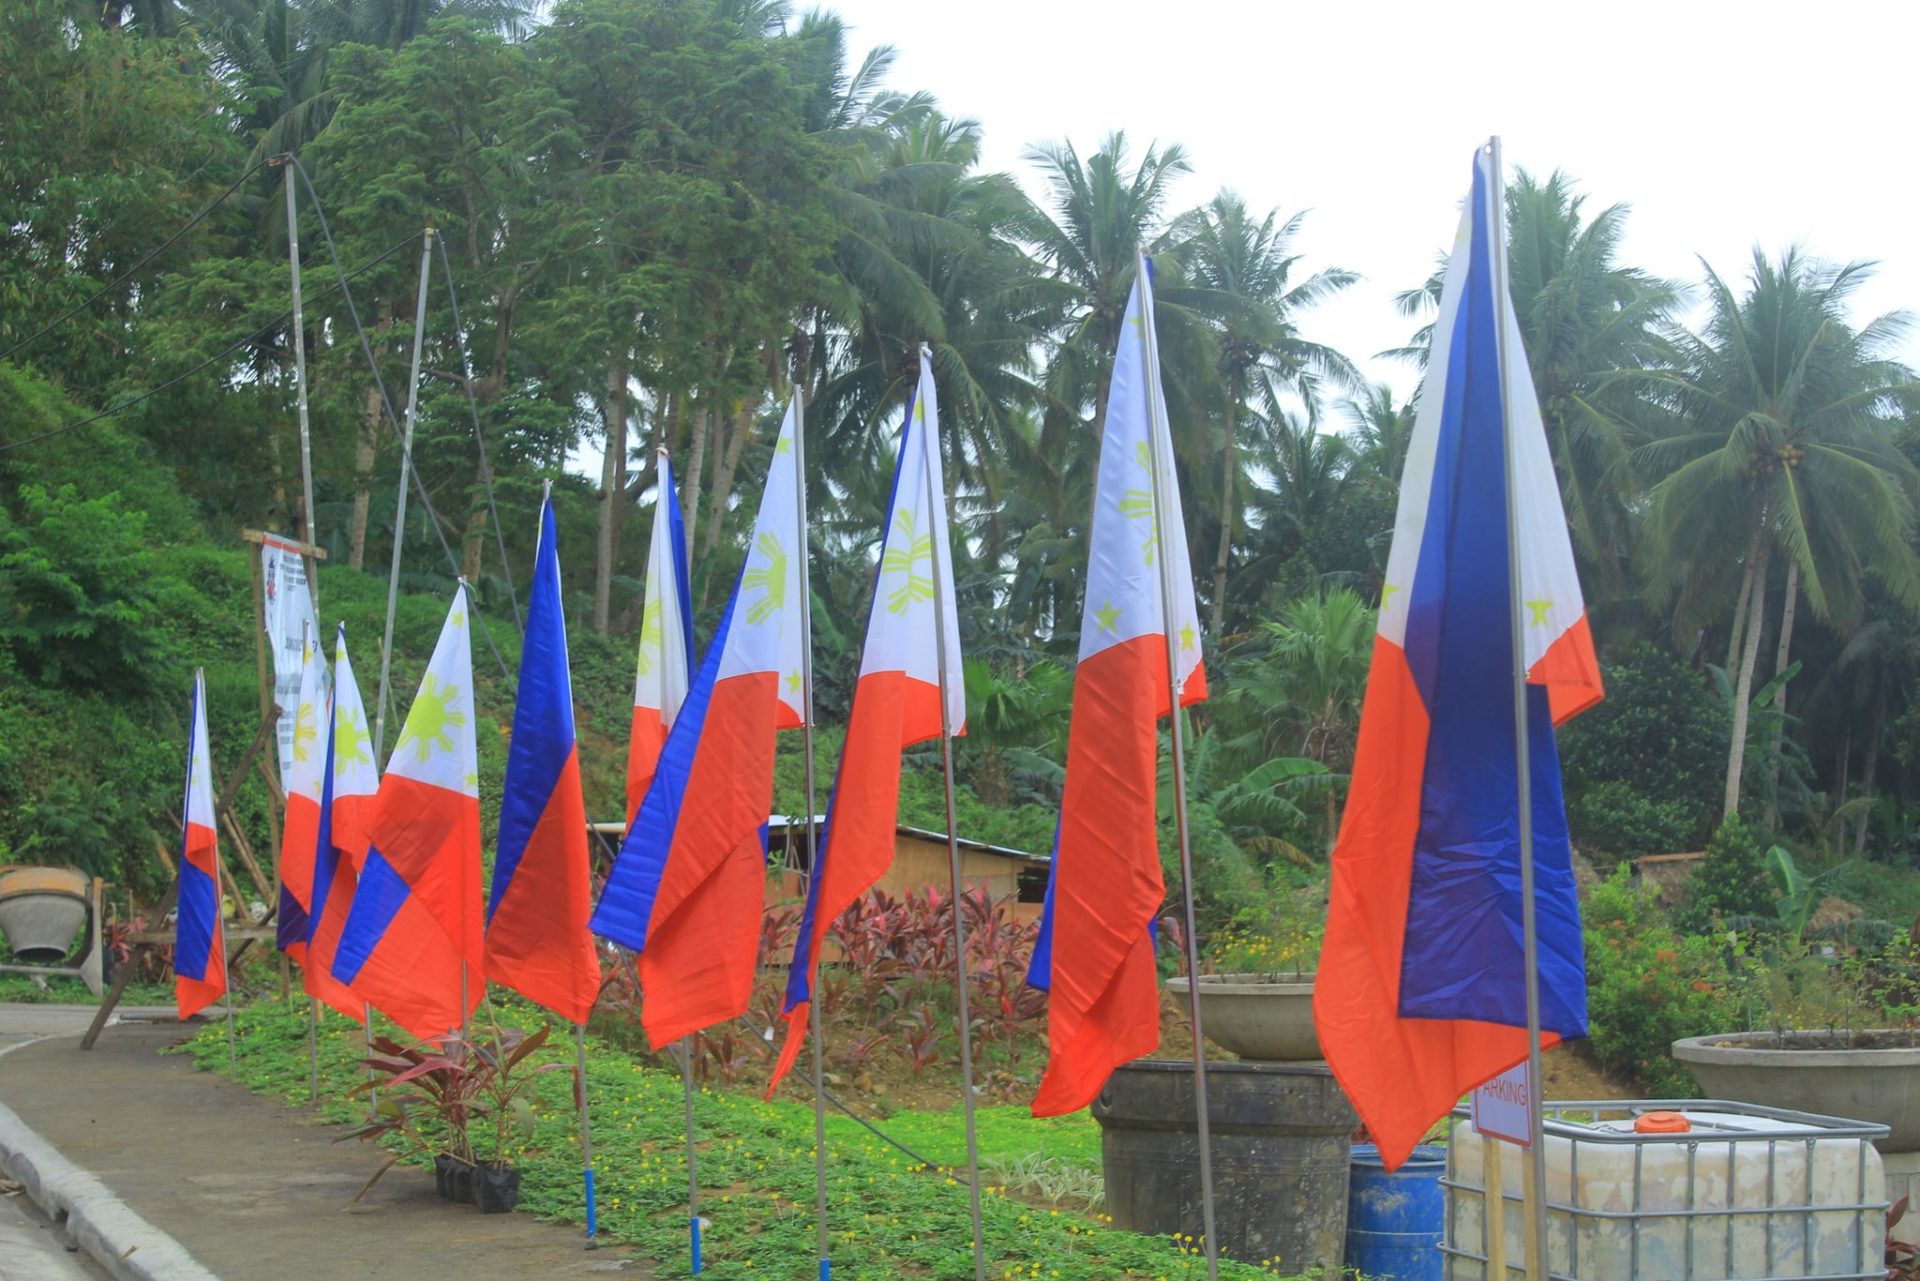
x: 479, y: 438
x: 763, y: 1038
x: 353, y: 313
x: 122, y: 278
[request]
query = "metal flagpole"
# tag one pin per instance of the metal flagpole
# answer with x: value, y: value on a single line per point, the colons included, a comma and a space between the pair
x: 693, y: 1182
x: 313, y: 1004
x: 309, y: 535
x: 219, y: 887
x: 1162, y: 518
x: 938, y: 556
x: 1523, y: 762
x: 586, y: 1131
x: 400, y: 513
x: 813, y: 848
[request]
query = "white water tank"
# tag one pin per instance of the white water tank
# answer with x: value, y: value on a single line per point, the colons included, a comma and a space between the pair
x: 1741, y: 1193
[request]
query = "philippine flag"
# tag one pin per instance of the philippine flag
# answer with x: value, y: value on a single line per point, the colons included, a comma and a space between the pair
x: 660, y: 675
x: 199, y: 946
x: 1420, y: 994
x: 301, y: 830
x: 896, y: 702
x: 351, y: 783
x: 537, y: 938
x: 1095, y: 953
x: 687, y: 889
x: 414, y: 935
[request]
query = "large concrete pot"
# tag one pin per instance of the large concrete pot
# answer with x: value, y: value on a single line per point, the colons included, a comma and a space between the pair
x: 1805, y: 1072
x: 42, y: 911
x: 1257, y: 1017
x: 1280, y: 1157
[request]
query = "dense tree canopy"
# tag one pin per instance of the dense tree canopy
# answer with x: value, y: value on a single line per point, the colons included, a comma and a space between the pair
x: 660, y: 219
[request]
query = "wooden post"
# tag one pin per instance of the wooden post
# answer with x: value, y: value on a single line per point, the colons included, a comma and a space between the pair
x: 1494, y: 1220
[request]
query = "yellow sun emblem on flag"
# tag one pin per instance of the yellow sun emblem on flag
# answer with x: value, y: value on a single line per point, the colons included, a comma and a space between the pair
x: 1137, y: 504
x: 649, y: 636
x: 770, y: 580
x: 904, y: 560
x: 352, y: 745
x: 305, y: 732
x: 431, y: 720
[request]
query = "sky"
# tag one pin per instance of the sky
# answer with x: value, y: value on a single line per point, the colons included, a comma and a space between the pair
x: 1723, y: 125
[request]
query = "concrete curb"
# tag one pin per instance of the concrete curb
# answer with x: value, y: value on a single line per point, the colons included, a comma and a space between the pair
x: 122, y: 1242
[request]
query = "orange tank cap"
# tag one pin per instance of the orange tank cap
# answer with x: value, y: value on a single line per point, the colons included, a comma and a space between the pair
x: 1661, y: 1123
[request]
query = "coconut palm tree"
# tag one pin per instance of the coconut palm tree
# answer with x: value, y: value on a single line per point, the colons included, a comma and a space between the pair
x: 1240, y: 274
x: 1784, y: 438
x: 1104, y: 211
x: 1583, y: 318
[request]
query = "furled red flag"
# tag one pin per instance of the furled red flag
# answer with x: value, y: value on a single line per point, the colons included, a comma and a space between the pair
x: 413, y: 938
x: 686, y: 891
x: 351, y: 782
x: 1095, y: 956
x: 300, y: 831
x: 1420, y: 994
x: 199, y: 945
x: 537, y: 938
x: 661, y: 670
x: 896, y: 702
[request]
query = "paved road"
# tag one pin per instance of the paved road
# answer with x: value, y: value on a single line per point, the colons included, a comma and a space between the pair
x: 252, y: 1188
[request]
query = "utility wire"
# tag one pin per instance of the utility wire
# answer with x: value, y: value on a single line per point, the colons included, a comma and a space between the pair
x: 479, y: 438
x: 122, y: 278
x: 763, y: 1038
x: 123, y: 405
x: 353, y: 312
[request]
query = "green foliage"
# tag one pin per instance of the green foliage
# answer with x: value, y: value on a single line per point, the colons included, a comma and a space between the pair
x: 77, y: 599
x: 891, y: 1216
x: 1640, y: 768
x: 1647, y: 986
x: 1731, y: 881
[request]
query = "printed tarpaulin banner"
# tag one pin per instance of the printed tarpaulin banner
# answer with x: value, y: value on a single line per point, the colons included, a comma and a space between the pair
x: 288, y: 605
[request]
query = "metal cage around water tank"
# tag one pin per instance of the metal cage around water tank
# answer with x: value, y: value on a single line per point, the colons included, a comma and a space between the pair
x: 1746, y: 1194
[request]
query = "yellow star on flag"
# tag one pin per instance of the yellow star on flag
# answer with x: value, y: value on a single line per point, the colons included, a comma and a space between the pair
x: 1186, y: 636
x: 793, y: 682
x: 1386, y: 593
x: 1537, y: 611
x: 1107, y: 617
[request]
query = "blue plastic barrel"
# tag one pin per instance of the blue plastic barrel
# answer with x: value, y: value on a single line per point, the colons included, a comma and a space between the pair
x: 1394, y: 1220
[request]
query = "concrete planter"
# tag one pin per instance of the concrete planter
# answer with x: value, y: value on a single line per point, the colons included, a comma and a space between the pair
x: 42, y: 910
x: 1280, y: 1157
x: 1803, y: 1071
x: 1257, y: 1016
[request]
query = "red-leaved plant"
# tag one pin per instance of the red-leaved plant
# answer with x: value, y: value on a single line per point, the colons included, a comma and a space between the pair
x: 432, y: 1096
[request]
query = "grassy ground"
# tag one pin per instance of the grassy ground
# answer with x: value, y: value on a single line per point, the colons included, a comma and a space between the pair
x: 890, y: 1216
x: 21, y: 989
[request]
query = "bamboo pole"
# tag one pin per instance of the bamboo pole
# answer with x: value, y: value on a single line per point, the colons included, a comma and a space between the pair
x: 400, y: 511
x: 308, y: 534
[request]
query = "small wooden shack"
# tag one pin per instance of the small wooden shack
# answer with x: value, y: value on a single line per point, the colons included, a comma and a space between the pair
x: 1015, y: 877
x: 919, y: 863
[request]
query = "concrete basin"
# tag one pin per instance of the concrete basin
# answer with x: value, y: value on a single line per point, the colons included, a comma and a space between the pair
x: 1815, y: 1072
x: 1256, y: 1016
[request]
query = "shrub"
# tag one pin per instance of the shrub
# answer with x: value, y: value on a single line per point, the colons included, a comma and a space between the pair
x: 1732, y: 880
x: 1637, y: 776
x: 1648, y: 986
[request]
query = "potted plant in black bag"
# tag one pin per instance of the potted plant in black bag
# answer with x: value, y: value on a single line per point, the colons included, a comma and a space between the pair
x: 431, y: 1096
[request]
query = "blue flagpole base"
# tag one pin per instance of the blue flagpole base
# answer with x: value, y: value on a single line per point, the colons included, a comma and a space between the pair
x: 693, y: 1229
x: 826, y: 1270
x: 593, y: 1218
